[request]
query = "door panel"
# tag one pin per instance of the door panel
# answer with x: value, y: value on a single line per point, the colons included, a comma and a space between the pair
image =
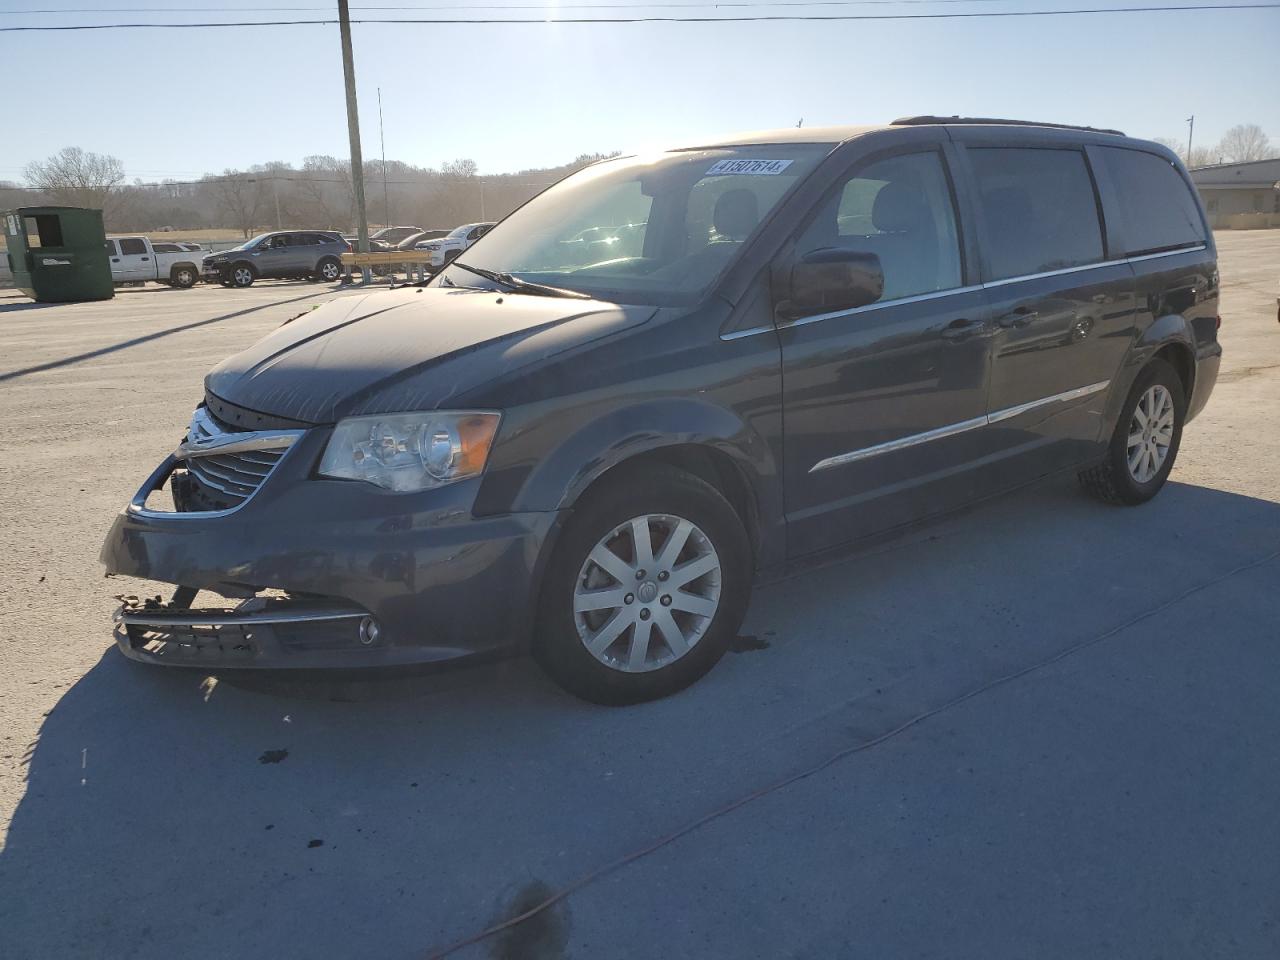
x: 1058, y: 343
x: 882, y: 408
x: 883, y: 404
x: 1063, y: 313
x: 135, y: 260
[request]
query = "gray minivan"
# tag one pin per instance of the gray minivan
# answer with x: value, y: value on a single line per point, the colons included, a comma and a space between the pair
x: 773, y: 348
x: 310, y: 254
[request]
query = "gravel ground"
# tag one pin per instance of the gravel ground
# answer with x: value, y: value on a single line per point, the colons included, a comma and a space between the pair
x: 1117, y: 802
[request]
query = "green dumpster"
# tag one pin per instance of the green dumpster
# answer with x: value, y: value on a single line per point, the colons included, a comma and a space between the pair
x: 58, y: 254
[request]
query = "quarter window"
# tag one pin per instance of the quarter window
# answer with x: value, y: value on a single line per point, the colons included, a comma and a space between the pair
x: 1040, y: 210
x: 1156, y: 204
x: 901, y: 210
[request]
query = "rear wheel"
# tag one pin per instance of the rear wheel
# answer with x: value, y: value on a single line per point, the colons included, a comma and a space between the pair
x: 242, y: 275
x: 183, y: 276
x: 329, y: 270
x: 1146, y: 439
x: 648, y: 585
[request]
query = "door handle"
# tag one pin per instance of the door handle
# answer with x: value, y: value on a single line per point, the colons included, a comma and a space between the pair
x: 146, y: 258
x: 1018, y: 319
x: 960, y: 329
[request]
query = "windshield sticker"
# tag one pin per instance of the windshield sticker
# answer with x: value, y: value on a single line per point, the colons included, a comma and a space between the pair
x: 758, y: 168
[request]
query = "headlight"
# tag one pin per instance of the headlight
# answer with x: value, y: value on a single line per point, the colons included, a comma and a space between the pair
x: 411, y: 451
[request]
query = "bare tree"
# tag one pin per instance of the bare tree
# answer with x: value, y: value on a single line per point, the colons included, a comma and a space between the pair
x: 76, y: 177
x: 1245, y: 142
x: 239, y: 196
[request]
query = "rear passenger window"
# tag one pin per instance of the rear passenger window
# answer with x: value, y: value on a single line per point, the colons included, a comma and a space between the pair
x: 1156, y: 205
x: 1040, y: 210
x: 901, y: 210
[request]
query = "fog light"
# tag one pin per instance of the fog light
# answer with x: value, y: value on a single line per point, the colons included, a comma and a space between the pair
x: 369, y: 631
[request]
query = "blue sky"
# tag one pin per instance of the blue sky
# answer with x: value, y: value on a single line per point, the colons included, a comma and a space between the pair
x: 181, y: 103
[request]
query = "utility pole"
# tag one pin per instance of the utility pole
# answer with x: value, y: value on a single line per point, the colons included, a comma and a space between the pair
x: 1190, y: 130
x: 386, y: 204
x: 481, y: 182
x: 275, y: 190
x: 353, y: 131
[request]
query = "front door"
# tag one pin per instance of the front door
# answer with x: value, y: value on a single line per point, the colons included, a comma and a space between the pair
x: 1063, y: 311
x: 135, y: 260
x: 883, y: 404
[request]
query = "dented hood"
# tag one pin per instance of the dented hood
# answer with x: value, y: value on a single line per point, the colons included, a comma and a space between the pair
x: 408, y: 349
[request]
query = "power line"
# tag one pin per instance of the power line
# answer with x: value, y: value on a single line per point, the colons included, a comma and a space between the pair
x: 501, y: 6
x: 497, y: 21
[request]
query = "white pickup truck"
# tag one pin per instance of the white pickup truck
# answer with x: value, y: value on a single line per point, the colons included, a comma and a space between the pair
x: 137, y: 260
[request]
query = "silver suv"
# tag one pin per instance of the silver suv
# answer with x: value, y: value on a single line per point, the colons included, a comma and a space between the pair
x: 313, y: 254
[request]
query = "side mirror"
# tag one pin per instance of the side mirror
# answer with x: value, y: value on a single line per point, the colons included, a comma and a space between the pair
x: 832, y: 279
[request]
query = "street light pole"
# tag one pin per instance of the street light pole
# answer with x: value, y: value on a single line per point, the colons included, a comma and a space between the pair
x: 386, y: 204
x: 1191, y: 120
x: 353, y: 132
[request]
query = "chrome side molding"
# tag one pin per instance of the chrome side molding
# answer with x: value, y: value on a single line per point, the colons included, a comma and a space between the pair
x: 950, y: 430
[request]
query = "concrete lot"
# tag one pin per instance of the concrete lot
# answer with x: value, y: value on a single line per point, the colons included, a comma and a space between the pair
x: 1120, y: 801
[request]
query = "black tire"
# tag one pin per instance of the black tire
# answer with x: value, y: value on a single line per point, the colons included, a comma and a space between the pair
x: 184, y: 276
x: 325, y: 267
x: 1111, y: 481
x: 652, y: 490
x: 242, y: 275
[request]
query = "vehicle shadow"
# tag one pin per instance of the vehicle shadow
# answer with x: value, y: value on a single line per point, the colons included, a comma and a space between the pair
x: 165, y: 815
x: 149, y: 337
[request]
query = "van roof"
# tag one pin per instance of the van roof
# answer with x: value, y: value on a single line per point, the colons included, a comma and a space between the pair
x: 839, y: 134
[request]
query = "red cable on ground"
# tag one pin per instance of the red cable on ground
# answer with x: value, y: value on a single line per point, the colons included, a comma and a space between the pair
x: 669, y: 838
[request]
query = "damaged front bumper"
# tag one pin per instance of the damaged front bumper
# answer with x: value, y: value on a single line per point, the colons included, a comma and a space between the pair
x: 363, y: 577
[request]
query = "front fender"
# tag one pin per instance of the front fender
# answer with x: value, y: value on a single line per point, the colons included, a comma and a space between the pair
x: 557, y: 479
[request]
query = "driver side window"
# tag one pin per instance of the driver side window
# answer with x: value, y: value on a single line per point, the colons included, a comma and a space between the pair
x: 900, y: 209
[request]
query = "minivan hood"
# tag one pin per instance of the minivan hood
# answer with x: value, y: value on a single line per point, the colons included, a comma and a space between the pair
x: 408, y: 349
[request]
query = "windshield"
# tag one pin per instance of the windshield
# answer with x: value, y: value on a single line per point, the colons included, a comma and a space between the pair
x: 461, y: 231
x: 656, y: 229
x: 252, y: 242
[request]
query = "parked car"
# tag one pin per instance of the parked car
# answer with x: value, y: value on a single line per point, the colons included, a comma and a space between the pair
x: 137, y: 260
x: 411, y: 242
x: 314, y: 254
x: 454, y: 242
x: 392, y: 236
x: 826, y: 336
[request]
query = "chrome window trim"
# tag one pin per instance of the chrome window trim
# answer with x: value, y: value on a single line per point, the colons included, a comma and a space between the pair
x: 1169, y: 253
x: 950, y: 430
x: 966, y: 289
x: 1081, y: 268
x: 749, y: 332
x: 881, y: 304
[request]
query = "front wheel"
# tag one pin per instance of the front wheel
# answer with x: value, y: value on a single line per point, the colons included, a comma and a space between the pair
x: 648, y: 585
x: 242, y: 275
x: 1146, y: 439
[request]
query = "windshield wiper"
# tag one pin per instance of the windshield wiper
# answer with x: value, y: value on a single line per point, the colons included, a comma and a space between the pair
x: 516, y: 285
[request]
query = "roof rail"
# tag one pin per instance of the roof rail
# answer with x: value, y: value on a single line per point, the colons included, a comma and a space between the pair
x: 928, y: 120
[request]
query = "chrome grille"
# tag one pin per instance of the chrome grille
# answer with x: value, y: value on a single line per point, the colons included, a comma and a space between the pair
x: 245, y: 461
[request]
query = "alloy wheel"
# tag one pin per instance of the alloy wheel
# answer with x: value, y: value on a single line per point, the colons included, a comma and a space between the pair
x: 1150, y: 433
x: 243, y: 276
x: 647, y: 593
x: 329, y: 271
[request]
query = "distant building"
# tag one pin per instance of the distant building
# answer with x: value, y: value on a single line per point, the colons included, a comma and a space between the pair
x: 1241, y: 195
